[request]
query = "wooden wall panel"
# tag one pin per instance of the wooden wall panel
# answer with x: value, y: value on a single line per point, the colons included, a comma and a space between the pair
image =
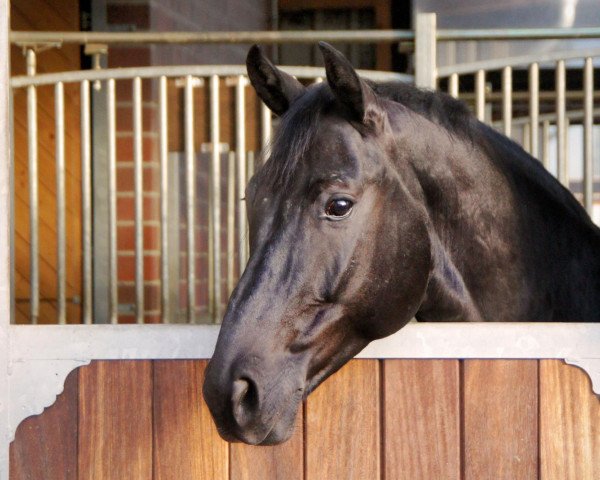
x: 186, y: 443
x: 46, y: 444
x: 500, y: 419
x: 569, y: 423
x: 421, y: 419
x: 115, y: 420
x: 279, y: 462
x: 342, y: 425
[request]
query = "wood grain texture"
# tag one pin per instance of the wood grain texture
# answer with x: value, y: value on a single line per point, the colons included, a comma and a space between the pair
x: 279, y: 462
x: 421, y: 419
x: 186, y: 443
x: 45, y: 446
x: 500, y: 419
x: 569, y: 423
x: 115, y: 420
x: 342, y: 425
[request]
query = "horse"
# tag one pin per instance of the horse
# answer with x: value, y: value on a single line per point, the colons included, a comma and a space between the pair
x: 379, y: 203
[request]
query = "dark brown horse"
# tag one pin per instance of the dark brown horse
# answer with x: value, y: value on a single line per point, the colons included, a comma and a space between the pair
x: 379, y: 203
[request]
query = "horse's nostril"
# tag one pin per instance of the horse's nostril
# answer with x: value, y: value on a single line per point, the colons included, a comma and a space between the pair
x: 244, y: 399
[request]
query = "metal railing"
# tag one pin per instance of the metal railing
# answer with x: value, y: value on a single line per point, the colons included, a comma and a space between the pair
x: 239, y: 161
x: 226, y: 260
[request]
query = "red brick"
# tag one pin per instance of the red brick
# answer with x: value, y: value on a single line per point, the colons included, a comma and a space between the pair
x: 137, y: 15
x: 126, y: 237
x: 126, y: 268
x: 125, y: 178
x: 125, y: 118
x: 125, y: 149
x: 151, y: 296
x: 126, y: 208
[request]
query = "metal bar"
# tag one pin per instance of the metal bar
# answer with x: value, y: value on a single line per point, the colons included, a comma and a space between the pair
x: 32, y: 150
x: 507, y: 100
x: 190, y: 197
x: 112, y: 199
x: 526, y: 140
x: 453, y: 85
x: 216, y: 192
x: 480, y: 95
x: 534, y: 108
x: 240, y: 146
x: 138, y: 194
x: 182, y: 71
x: 265, y: 127
x: 230, y: 221
x: 86, y: 200
x: 266, y: 37
x: 292, y: 36
x: 521, y: 60
x: 249, y: 173
x: 164, y: 200
x: 59, y: 114
x: 425, y: 50
x: 546, y: 144
x: 588, y: 124
x: 561, y: 123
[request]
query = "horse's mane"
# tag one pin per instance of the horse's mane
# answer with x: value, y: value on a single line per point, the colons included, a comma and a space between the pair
x: 299, y: 125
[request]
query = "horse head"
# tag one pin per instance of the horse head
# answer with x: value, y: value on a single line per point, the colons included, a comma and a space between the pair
x: 340, y: 251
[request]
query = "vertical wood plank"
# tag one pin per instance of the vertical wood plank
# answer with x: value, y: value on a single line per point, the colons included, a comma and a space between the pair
x: 500, y: 419
x: 115, y: 420
x: 186, y: 442
x: 342, y: 425
x: 45, y: 446
x: 569, y: 423
x: 279, y: 462
x: 421, y: 419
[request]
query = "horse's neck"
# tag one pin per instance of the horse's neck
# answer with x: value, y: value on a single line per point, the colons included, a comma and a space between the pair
x: 494, y: 255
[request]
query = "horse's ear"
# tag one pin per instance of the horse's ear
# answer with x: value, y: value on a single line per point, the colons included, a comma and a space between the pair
x: 276, y: 88
x: 347, y: 86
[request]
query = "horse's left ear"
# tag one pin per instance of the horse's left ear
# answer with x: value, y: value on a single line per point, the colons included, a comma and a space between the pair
x: 349, y: 88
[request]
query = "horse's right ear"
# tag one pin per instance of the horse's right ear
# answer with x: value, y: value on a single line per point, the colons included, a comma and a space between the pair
x: 276, y: 88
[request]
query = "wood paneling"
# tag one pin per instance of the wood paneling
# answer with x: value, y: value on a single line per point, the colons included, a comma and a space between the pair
x: 421, y: 414
x: 569, y: 423
x: 342, y: 425
x: 115, y: 420
x: 500, y: 419
x: 279, y: 462
x: 186, y: 443
x: 47, y: 444
x: 143, y: 420
x: 42, y: 15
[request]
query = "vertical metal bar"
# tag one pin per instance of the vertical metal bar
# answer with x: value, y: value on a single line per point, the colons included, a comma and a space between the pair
x: 534, y: 108
x: 240, y: 145
x: 561, y: 122
x: 588, y: 124
x: 112, y: 198
x: 480, y: 95
x: 507, y: 100
x: 216, y: 192
x: 527, y: 137
x: 86, y: 194
x: 546, y: 144
x: 138, y: 195
x: 59, y: 117
x: 230, y: 221
x: 190, y: 198
x: 249, y: 171
x: 32, y: 150
x: 265, y: 122
x: 425, y: 50
x: 453, y: 85
x: 164, y: 200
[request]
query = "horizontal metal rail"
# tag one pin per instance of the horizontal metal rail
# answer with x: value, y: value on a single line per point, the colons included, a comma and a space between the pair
x: 519, y: 61
x: 24, y: 38
x: 182, y: 71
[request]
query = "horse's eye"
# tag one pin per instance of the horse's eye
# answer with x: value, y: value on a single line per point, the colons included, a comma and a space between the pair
x: 338, y: 208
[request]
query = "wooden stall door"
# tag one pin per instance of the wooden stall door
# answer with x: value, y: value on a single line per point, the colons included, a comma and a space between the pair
x: 374, y: 419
